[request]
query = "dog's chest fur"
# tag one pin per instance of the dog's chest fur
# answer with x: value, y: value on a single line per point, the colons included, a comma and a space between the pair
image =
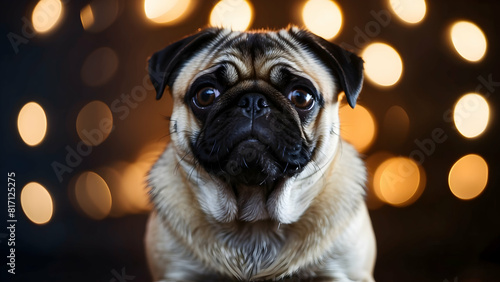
x: 238, y: 249
x: 251, y: 248
x: 183, y: 238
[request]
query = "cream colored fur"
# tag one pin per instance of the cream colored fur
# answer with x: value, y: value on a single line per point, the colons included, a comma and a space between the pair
x: 313, y: 225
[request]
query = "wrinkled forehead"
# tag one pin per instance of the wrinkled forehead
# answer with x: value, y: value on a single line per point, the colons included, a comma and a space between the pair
x: 257, y: 56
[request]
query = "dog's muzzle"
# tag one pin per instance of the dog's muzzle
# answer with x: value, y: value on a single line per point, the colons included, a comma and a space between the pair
x: 252, y: 143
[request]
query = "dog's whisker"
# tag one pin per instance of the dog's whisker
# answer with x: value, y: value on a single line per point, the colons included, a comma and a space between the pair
x: 213, y: 147
x: 284, y: 170
x: 178, y: 164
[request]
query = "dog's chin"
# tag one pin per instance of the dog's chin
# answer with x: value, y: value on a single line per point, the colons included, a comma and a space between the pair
x: 251, y: 164
x: 255, y: 176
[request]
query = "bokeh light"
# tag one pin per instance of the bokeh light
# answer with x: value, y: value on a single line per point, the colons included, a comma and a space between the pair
x: 32, y: 123
x: 46, y: 15
x: 357, y: 126
x: 99, y: 66
x: 469, y: 40
x: 396, y: 125
x: 127, y: 183
x: 322, y: 17
x: 471, y: 115
x: 372, y: 162
x: 113, y: 177
x: 36, y: 203
x: 383, y: 65
x: 94, y: 123
x: 150, y: 153
x: 134, y: 187
x: 409, y: 11
x: 234, y: 14
x: 87, y: 17
x: 99, y: 14
x: 468, y: 177
x: 166, y: 12
x: 399, y: 181
x: 92, y: 195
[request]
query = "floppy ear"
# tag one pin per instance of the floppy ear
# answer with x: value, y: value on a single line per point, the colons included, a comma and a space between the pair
x: 346, y: 65
x: 164, y: 65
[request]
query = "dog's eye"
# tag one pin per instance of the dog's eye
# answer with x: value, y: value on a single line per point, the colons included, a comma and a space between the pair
x: 301, y: 98
x: 206, y: 96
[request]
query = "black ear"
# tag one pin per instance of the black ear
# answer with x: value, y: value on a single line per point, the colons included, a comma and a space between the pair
x: 346, y: 65
x: 164, y: 65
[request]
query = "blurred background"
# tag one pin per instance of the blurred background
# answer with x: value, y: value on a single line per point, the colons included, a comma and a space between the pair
x: 81, y: 127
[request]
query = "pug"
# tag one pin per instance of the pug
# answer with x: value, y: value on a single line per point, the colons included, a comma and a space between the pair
x: 256, y: 183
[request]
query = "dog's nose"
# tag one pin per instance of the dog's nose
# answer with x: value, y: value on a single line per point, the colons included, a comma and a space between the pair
x: 253, y: 105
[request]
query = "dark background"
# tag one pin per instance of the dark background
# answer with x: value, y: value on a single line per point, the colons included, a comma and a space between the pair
x: 437, y: 238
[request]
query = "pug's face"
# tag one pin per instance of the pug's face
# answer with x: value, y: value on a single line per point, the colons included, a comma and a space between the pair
x: 255, y: 117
